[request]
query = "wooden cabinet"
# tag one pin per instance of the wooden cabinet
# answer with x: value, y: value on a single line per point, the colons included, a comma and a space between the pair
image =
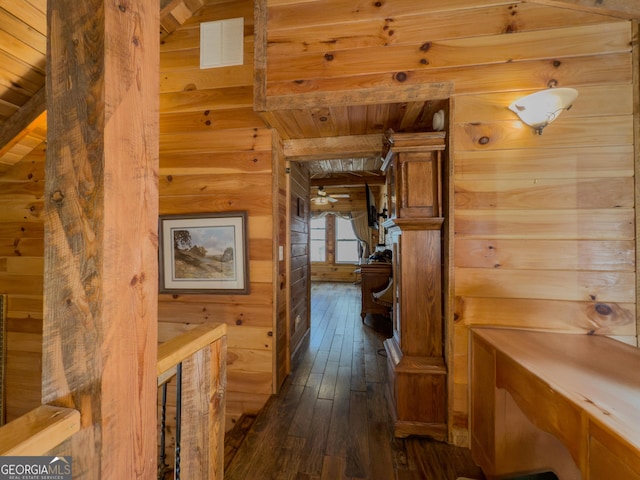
x: 413, y: 167
x: 375, y: 277
x: 415, y: 354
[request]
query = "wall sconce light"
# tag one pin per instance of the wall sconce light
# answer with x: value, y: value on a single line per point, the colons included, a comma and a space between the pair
x: 541, y: 108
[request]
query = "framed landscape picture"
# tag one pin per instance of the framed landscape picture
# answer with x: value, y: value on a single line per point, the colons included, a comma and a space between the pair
x: 204, y: 253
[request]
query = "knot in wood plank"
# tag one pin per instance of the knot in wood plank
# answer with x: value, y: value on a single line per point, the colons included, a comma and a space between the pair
x: 57, y: 197
x: 603, y: 309
x: 400, y: 76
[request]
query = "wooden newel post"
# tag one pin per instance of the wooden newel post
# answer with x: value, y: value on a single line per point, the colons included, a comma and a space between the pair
x: 101, y: 210
x: 203, y: 393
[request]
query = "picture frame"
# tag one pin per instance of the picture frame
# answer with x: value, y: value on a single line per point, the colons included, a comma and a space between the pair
x: 204, y: 253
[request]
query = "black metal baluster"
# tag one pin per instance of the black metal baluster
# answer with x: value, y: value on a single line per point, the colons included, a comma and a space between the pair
x: 162, y: 464
x: 178, y: 417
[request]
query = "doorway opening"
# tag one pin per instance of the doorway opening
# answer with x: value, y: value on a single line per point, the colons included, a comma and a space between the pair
x: 333, y: 155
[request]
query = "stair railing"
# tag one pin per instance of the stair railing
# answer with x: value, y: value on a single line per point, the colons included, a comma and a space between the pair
x: 198, y: 356
x: 196, y: 362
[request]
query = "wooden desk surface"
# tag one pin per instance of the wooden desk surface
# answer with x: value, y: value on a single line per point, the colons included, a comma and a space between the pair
x: 582, y: 389
x: 600, y: 375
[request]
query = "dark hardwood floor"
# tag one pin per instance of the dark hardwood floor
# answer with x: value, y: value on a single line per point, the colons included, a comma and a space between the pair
x: 330, y: 420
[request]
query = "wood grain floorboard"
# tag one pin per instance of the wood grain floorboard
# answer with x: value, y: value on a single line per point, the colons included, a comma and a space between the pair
x: 234, y: 438
x: 330, y: 420
x: 315, y: 445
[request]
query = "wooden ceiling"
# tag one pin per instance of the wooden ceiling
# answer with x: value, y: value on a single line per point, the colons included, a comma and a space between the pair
x: 347, y: 141
x: 23, y: 29
x: 23, y: 48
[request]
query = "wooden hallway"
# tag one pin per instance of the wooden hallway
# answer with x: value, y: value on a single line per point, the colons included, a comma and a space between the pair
x: 330, y: 420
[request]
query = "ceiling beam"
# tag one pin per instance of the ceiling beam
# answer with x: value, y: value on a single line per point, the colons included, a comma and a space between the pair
x: 362, y: 96
x: 329, y: 148
x: 174, y: 13
x: 17, y: 125
x: 627, y: 9
x: 351, y: 181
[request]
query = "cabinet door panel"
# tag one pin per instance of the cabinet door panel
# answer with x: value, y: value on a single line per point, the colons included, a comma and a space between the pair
x: 419, y: 186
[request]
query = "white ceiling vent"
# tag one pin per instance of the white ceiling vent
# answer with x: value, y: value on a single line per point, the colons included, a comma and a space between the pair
x: 221, y: 43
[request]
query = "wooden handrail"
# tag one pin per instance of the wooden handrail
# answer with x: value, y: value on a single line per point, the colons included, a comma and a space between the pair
x: 201, y: 352
x: 178, y: 349
x: 38, y: 431
x: 45, y: 427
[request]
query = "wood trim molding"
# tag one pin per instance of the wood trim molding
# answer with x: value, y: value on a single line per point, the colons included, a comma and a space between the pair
x: 351, y: 146
x: 260, y: 14
x: 636, y: 154
x: 424, y: 223
x: 360, y: 96
x: 353, y: 181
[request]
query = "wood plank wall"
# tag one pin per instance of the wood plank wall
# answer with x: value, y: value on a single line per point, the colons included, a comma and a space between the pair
x: 544, y: 225
x: 216, y: 155
x: 21, y: 277
x: 299, y: 285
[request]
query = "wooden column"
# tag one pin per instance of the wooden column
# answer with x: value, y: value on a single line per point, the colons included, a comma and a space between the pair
x: 101, y: 211
x: 415, y: 354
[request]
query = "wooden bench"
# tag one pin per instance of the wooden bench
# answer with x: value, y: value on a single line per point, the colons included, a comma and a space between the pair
x: 554, y: 402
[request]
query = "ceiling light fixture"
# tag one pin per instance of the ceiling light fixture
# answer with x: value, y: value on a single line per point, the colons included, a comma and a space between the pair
x: 541, y: 108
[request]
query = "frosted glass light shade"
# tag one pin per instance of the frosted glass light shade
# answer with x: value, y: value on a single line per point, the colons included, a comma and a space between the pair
x: 541, y: 108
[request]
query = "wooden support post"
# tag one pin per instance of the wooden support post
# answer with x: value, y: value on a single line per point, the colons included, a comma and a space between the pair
x: 101, y: 211
x: 203, y: 393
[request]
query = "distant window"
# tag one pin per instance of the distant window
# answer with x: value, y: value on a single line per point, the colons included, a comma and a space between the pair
x: 318, y: 239
x: 346, y: 242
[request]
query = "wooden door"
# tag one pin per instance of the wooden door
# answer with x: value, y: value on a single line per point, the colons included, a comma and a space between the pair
x: 299, y: 270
